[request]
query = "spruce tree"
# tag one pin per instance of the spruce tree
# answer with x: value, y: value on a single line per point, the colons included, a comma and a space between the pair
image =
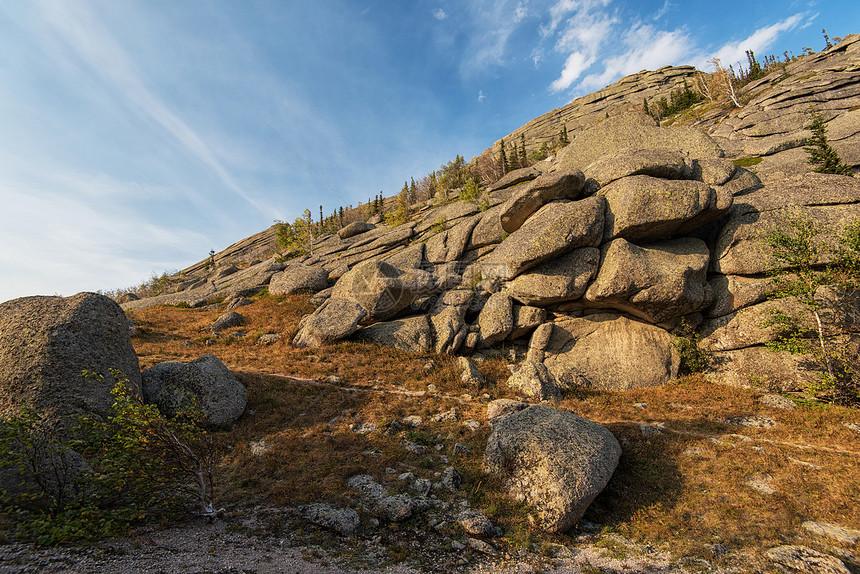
x: 524, y: 160
x: 820, y: 153
x: 503, y: 158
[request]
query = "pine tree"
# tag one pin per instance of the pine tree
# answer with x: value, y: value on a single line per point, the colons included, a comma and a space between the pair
x: 820, y: 153
x: 524, y: 160
x: 503, y: 158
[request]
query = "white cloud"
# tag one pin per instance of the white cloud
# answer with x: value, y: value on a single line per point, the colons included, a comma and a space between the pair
x: 646, y: 49
x: 481, y: 96
x: 663, y: 11
x: 574, y: 66
x: 440, y: 14
x: 758, y: 41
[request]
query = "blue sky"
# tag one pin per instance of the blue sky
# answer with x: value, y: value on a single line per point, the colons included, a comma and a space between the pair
x: 137, y: 136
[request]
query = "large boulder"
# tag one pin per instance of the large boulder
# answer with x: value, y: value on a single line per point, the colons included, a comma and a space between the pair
x: 642, y: 208
x: 448, y: 318
x: 656, y: 282
x: 524, y: 202
x: 552, y: 460
x: 612, y: 352
x: 382, y: 289
x: 535, y: 381
x: 556, y: 228
x: 299, y: 279
x: 411, y: 334
x: 47, y: 342
x: 355, y: 228
x: 332, y: 321
x: 625, y: 162
x: 206, y: 382
x: 497, y: 318
x: 564, y: 278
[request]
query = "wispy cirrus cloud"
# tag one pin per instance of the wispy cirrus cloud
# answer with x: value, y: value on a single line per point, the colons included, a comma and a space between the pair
x: 92, y: 42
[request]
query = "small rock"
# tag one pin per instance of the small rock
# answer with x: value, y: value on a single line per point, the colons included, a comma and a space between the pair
x: 366, y: 486
x: 259, y: 448
x: 469, y: 373
x: 460, y: 448
x: 451, y: 479
x: 333, y: 379
x: 395, y: 508
x: 806, y: 560
x: 755, y: 421
x: 480, y: 546
x: 363, y: 428
x: 226, y: 321
x: 833, y: 531
x: 477, y: 524
x: 412, y: 447
x: 649, y: 430
x: 422, y: 486
x: 406, y: 476
x: 239, y: 302
x: 472, y: 425
x: 457, y: 545
x: 344, y: 521
x: 431, y: 388
x: 268, y: 339
x: 852, y: 426
x: 412, y: 421
x: 778, y: 402
x: 446, y: 416
x: 760, y: 484
x: 804, y: 463
x: 430, y: 366
x: 640, y: 405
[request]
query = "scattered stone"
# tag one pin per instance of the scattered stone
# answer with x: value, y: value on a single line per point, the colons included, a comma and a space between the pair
x: 333, y: 379
x: 226, y: 321
x: 760, y: 484
x: 642, y: 406
x: 412, y: 421
x: 480, y: 546
x: 753, y: 421
x: 778, y: 402
x: 460, y: 448
x: 412, y: 447
x: 833, y: 532
x: 852, y: 426
x: 651, y: 430
x: 269, y: 339
x: 344, y: 521
x: 446, y: 416
x: 395, y: 508
x: 366, y: 486
x: 260, y: 447
x: 800, y: 559
x: 808, y: 465
x: 422, y: 486
x: 430, y: 366
x: 363, y: 428
x: 477, y: 524
x: 451, y: 479
x: 469, y: 373
x: 431, y: 388
x: 472, y: 425
x: 457, y: 545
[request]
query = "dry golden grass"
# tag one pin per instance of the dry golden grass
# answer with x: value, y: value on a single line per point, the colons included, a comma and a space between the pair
x: 685, y: 488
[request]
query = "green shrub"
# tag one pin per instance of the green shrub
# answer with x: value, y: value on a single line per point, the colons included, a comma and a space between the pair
x: 694, y: 358
x: 821, y: 154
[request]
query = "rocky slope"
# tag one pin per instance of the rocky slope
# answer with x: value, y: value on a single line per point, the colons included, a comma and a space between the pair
x: 588, y: 262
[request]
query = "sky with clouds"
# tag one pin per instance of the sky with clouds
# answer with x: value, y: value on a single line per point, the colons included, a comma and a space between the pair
x: 138, y: 135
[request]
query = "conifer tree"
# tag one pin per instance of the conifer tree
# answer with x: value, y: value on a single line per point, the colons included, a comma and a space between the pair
x: 820, y: 153
x: 524, y: 160
x: 503, y: 158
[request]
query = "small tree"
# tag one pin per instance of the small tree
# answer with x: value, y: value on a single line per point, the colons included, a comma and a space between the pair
x: 503, y: 158
x: 821, y: 154
x: 799, y: 252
